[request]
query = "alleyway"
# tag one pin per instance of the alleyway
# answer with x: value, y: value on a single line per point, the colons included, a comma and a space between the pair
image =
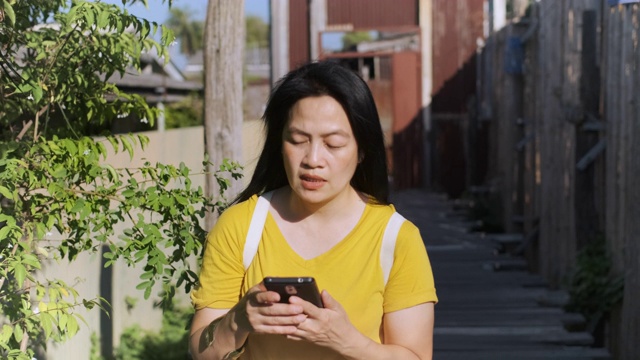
x: 484, y: 313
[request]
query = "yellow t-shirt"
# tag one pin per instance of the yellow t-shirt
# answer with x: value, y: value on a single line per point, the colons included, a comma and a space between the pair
x: 350, y: 272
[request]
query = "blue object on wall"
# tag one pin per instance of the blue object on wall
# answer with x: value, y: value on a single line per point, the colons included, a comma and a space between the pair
x: 619, y: 2
x: 514, y: 56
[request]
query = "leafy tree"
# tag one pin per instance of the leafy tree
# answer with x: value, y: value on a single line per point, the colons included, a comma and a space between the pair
x: 351, y: 39
x: 59, y: 197
x: 257, y: 32
x: 189, y: 32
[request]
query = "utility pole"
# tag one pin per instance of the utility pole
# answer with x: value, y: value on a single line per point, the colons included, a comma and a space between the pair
x: 223, y: 117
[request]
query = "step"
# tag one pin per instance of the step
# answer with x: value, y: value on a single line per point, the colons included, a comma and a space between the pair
x: 506, y: 243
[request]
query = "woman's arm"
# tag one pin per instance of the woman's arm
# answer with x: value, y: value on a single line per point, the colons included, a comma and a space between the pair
x: 408, y: 333
x: 411, y: 328
x: 198, y: 341
x: 258, y: 311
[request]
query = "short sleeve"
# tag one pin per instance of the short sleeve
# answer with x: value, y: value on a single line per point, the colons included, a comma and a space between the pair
x: 222, y: 271
x: 411, y: 279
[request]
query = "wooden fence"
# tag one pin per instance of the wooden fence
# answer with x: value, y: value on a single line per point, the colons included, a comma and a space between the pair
x: 561, y: 91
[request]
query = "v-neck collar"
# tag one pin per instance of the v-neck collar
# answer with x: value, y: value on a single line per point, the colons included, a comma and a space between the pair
x: 283, y: 245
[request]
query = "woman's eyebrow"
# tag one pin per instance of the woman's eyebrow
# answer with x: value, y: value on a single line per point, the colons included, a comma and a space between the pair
x: 295, y: 130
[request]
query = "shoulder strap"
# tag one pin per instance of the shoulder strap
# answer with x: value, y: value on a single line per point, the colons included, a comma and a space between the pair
x: 255, y: 229
x: 389, y: 244
x: 260, y: 216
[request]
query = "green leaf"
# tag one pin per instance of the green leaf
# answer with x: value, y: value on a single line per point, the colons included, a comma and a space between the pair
x: 4, y: 231
x: 90, y: 17
x: 37, y: 93
x: 144, y: 285
x: 79, y: 205
x: 7, y: 332
x: 8, y: 11
x: 6, y: 193
x: 47, y: 321
x: 103, y: 19
x: 72, y: 326
x: 63, y: 320
x: 112, y: 172
x: 127, y: 146
x: 18, y: 333
x: 147, y: 293
x: 20, y: 273
x: 31, y: 260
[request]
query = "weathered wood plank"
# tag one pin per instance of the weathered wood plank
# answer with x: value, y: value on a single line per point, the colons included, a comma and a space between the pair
x: 630, y: 329
x: 554, y: 232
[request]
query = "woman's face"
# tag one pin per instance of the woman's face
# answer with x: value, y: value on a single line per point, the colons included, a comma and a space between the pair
x: 319, y: 150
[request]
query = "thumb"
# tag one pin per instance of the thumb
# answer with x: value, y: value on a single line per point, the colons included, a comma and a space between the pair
x: 329, y: 302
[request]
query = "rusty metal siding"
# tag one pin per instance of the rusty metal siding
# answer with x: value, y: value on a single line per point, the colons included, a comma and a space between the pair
x: 457, y: 25
x: 367, y: 14
x: 299, y: 36
x: 407, y: 120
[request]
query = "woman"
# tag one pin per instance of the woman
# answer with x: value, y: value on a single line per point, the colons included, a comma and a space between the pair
x: 324, y: 168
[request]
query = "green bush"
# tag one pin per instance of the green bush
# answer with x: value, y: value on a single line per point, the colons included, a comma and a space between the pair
x: 593, y: 291
x: 170, y: 343
x: 185, y: 113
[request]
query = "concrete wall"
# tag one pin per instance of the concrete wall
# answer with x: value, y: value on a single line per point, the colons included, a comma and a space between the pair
x: 86, y: 273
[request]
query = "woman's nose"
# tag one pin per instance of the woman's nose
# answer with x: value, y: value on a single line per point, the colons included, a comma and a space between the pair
x: 314, y: 156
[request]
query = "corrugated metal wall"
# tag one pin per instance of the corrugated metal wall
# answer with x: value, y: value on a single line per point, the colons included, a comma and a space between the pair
x: 407, y: 121
x: 372, y: 13
x: 299, y: 48
x: 457, y: 26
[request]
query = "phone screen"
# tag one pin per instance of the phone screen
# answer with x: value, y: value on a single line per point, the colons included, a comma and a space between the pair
x: 302, y: 287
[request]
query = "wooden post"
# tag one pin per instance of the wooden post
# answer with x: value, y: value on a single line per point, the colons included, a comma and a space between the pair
x: 587, y: 213
x: 223, y: 54
x: 510, y: 106
x: 630, y: 174
x: 622, y: 69
x: 556, y: 197
x: 531, y: 109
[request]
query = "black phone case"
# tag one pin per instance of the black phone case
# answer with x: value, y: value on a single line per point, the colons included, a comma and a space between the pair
x: 302, y: 287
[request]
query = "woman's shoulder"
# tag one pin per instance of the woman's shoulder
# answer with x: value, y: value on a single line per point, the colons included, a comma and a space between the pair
x: 239, y: 211
x: 381, y: 209
x: 379, y: 212
x: 382, y: 213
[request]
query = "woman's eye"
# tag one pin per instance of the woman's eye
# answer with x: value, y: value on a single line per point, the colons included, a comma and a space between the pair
x: 334, y: 145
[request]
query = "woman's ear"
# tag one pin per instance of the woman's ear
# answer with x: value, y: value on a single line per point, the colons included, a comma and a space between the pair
x: 360, y: 157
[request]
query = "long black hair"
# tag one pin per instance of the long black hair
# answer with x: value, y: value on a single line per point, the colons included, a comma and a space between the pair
x: 346, y: 87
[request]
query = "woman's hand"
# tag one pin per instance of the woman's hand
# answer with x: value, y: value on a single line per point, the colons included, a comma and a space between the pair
x: 259, y: 311
x: 328, y: 327
x: 408, y: 333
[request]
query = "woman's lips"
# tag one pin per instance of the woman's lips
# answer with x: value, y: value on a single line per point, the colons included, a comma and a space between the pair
x: 310, y: 182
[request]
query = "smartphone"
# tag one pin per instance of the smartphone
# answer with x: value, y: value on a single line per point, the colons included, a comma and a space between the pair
x: 302, y: 287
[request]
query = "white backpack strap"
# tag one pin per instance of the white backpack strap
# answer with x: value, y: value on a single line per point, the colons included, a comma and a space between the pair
x: 389, y: 244
x: 255, y: 229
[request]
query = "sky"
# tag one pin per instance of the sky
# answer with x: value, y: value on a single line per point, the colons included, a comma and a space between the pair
x: 159, y: 12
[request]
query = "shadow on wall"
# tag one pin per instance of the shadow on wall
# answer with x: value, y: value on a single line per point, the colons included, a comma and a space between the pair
x: 407, y: 155
x: 458, y: 140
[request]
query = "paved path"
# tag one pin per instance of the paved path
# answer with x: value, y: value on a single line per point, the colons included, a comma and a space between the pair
x: 483, y: 313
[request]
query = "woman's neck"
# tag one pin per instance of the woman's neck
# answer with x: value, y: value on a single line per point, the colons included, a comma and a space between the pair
x: 295, y: 209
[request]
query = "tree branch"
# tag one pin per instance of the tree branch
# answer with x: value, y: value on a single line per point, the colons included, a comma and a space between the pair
x: 24, y: 130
